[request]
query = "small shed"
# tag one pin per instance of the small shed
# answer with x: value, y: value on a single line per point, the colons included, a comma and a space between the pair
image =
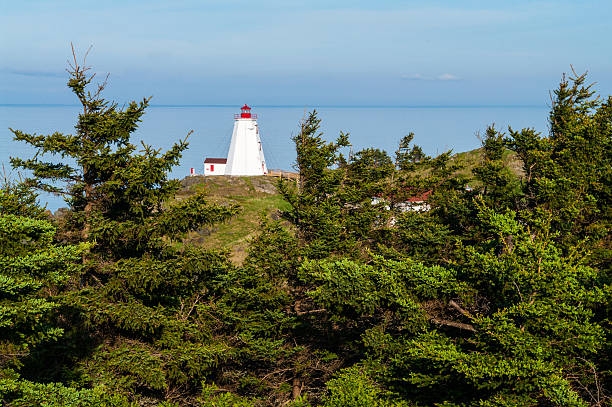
x: 214, y: 166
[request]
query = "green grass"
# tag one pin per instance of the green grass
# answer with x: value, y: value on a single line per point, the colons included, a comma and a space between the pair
x: 240, y: 229
x: 470, y: 159
x: 257, y: 197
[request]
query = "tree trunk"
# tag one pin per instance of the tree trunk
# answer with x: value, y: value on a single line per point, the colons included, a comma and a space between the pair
x: 297, y: 388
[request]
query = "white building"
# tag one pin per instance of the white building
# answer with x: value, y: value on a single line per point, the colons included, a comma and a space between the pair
x: 215, y: 166
x: 414, y: 203
x: 245, y: 156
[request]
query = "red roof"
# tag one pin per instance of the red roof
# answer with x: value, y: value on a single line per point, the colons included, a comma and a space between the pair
x: 215, y: 161
x: 419, y: 198
x: 245, y: 107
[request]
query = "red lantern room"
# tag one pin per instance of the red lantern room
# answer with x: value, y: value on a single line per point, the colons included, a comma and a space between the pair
x: 245, y: 112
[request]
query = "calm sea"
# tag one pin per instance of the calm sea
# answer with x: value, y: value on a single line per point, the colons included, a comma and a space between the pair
x: 437, y: 129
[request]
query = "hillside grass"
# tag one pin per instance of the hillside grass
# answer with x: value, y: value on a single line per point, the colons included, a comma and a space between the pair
x: 257, y: 197
x: 470, y: 159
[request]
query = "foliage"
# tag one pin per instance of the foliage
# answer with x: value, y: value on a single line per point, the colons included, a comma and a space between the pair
x: 500, y: 188
x: 406, y: 282
x: 569, y: 173
x: 354, y: 388
x: 130, y: 319
x: 32, y: 270
x: 318, y: 208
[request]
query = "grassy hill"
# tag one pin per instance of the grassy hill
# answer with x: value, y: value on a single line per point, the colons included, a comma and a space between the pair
x: 470, y: 159
x: 258, y: 197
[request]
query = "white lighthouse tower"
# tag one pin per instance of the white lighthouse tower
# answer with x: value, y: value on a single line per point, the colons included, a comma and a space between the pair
x: 245, y: 156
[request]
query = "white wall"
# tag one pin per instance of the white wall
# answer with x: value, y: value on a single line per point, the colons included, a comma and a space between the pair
x: 245, y: 156
x: 214, y: 169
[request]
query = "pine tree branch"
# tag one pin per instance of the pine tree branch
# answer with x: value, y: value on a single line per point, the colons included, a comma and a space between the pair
x: 453, y: 324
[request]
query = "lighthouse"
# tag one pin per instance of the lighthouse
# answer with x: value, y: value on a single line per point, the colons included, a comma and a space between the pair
x: 245, y: 156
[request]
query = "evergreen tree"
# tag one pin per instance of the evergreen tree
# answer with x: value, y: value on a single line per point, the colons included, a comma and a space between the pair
x: 509, y: 328
x: 33, y: 270
x: 317, y: 208
x: 132, y: 322
x: 406, y: 158
x: 424, y: 194
x: 569, y: 172
x: 517, y: 314
x: 500, y: 188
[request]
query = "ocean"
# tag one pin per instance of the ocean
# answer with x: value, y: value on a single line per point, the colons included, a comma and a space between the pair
x: 437, y: 129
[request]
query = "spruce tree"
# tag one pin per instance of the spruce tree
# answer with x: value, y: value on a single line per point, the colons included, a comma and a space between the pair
x: 500, y: 188
x: 568, y: 173
x: 33, y: 272
x: 514, y: 310
x: 132, y: 319
x: 316, y: 208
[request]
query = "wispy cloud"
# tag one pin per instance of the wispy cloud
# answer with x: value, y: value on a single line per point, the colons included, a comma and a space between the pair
x: 447, y: 77
x: 421, y: 77
x: 414, y: 77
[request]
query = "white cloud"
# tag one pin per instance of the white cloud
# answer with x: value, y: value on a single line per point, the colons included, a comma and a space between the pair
x: 414, y: 77
x: 447, y: 77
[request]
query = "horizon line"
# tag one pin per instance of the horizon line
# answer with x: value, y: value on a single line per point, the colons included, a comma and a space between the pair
x: 294, y: 106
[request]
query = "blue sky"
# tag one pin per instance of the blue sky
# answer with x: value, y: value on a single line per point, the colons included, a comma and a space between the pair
x: 314, y: 52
